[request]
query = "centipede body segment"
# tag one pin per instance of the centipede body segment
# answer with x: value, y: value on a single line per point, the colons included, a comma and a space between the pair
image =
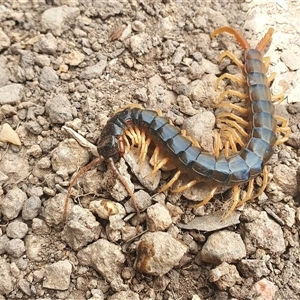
x: 134, y: 126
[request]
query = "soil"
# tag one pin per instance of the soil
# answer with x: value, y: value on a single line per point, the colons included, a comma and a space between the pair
x: 75, y: 67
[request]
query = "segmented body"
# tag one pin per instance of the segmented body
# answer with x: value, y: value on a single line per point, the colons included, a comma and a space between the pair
x: 241, y: 166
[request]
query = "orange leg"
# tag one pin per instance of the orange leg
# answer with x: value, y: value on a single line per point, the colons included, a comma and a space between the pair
x: 171, y: 182
x: 207, y: 198
x: 236, y: 197
x: 231, y: 77
x: 231, y: 92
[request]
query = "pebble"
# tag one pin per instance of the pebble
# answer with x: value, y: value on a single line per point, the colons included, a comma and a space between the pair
x: 290, y: 59
x: 59, y: 109
x: 94, y: 71
x: 158, y: 252
x: 11, y: 204
x: 74, y: 58
x: 125, y: 295
x: 223, y: 246
x: 143, y: 200
x: 54, y: 207
x: 55, y: 19
x: 6, y: 280
x: 24, y: 286
x: 33, y: 127
x: 39, y: 226
x: 8, y: 135
x: 69, y: 156
x: 185, y: 105
x: 105, y: 257
x: 140, y: 44
x: 4, y: 40
x: 48, y: 79
x: 3, y: 240
x: 34, y: 247
x: 224, y: 276
x: 263, y: 233
x: 109, y: 8
x: 16, y: 229
x: 32, y: 207
x: 11, y: 94
x: 46, y: 44
x: 15, y: 247
x: 253, y: 268
x: 57, y: 276
x: 265, y: 289
x: 81, y: 228
x: 106, y: 208
x: 158, y: 217
x: 285, y: 177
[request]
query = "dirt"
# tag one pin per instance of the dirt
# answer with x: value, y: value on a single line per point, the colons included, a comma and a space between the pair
x: 76, y: 66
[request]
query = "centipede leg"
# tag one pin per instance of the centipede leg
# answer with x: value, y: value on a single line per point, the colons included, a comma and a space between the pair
x: 228, y: 104
x: 233, y: 93
x: 264, y: 183
x: 171, y: 182
x: 232, y: 57
x: 207, y: 198
x: 83, y: 170
x: 231, y: 77
x: 284, y: 129
x: 236, y: 198
x: 248, y: 194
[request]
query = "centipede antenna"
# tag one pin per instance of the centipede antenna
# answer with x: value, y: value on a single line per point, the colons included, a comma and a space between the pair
x: 112, y: 166
x: 237, y: 34
x: 92, y: 164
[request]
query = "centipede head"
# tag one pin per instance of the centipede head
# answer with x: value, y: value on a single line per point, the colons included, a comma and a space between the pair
x: 109, y: 147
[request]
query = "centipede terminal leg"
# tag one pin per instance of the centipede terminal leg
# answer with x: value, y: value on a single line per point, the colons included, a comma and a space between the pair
x: 207, y: 198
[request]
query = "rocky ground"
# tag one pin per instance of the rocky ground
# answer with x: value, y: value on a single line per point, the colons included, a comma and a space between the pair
x: 65, y: 67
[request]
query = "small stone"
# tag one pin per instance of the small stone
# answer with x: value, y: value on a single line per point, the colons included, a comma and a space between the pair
x: 24, y: 286
x: 265, y: 289
x: 48, y: 79
x: 158, y: 252
x: 12, y: 203
x: 15, y: 248
x: 35, y: 151
x: 263, y: 233
x: 223, y: 246
x: 8, y: 135
x: 178, y: 56
x: 125, y: 295
x: 57, y: 275
x: 3, y: 240
x: 11, y: 94
x: 54, y: 209
x: 286, y: 178
x: 70, y: 156
x: 81, y: 228
x: 32, y: 207
x: 158, y: 217
x: 46, y: 44
x: 105, y: 257
x: 224, y: 276
x: 39, y: 226
x: 56, y: 18
x: 74, y: 58
x: 16, y: 229
x: 253, y: 268
x: 143, y: 200
x: 4, y: 40
x: 34, y: 247
x: 106, y: 208
x: 59, y: 109
x: 140, y: 43
x: 94, y: 71
x: 290, y: 59
x: 6, y: 280
x: 109, y: 8
x: 185, y: 105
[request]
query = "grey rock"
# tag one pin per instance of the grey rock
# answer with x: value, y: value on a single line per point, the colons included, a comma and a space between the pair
x: 12, y: 93
x: 70, y: 156
x: 4, y: 76
x: 158, y: 252
x: 223, y: 246
x: 81, y: 228
x: 15, y: 248
x: 6, y: 280
x: 54, y: 209
x: 16, y: 229
x: 46, y: 44
x: 3, y: 240
x: 34, y: 246
x: 48, y: 79
x: 253, y: 268
x: 108, y: 8
x: 4, y: 40
x: 24, y: 286
x: 59, y: 109
x: 12, y: 203
x: 263, y: 233
x: 285, y: 177
x: 158, y: 217
x: 125, y: 295
x: 94, y: 71
x: 57, y: 275
x: 55, y: 18
x: 39, y: 226
x: 105, y: 257
x: 33, y: 127
x: 31, y: 208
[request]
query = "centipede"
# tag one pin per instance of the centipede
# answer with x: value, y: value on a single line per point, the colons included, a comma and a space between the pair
x: 135, y: 126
